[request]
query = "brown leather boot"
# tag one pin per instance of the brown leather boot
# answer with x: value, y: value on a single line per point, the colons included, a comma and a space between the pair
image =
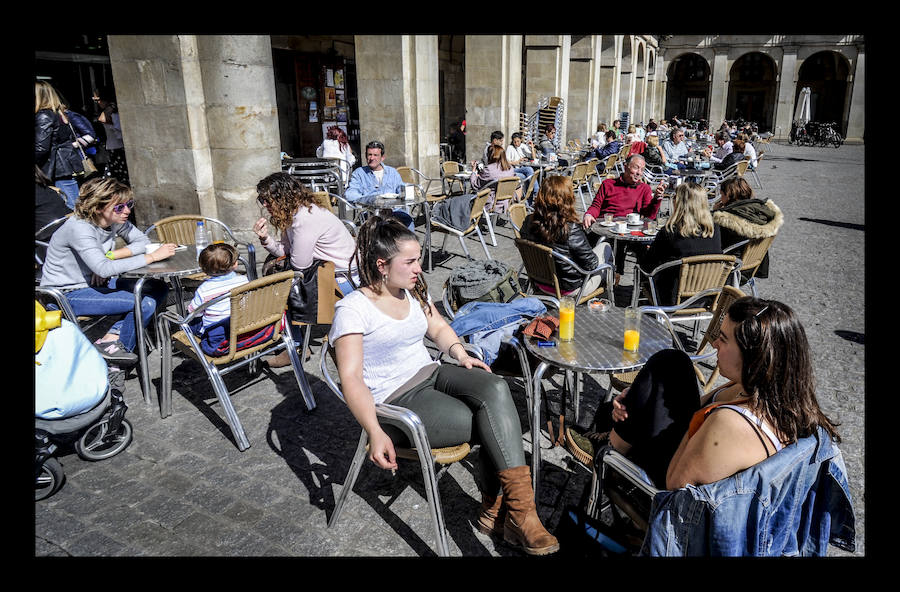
x: 491, y: 515
x: 522, y: 526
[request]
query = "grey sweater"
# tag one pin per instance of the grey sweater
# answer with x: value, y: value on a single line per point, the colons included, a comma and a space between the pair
x: 78, y: 250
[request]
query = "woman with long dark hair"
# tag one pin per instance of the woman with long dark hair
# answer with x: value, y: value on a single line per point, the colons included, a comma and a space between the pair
x: 378, y: 333
x: 309, y: 233
x: 555, y: 223
x: 679, y: 437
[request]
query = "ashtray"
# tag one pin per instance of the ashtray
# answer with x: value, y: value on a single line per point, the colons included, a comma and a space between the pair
x: 598, y: 305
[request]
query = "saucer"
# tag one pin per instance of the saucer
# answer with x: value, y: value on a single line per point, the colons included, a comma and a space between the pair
x: 607, y: 224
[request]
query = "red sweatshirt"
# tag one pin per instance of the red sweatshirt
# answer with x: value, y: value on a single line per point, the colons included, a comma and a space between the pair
x: 617, y: 198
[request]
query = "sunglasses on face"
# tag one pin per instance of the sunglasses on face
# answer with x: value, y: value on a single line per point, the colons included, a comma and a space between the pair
x: 119, y: 208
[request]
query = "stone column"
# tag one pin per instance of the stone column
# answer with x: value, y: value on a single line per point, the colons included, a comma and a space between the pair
x: 581, y: 108
x: 856, y: 118
x: 608, y: 78
x: 626, y: 81
x: 397, y: 84
x: 547, y: 61
x: 718, y: 88
x: 493, y: 89
x: 787, y: 91
x: 199, y: 122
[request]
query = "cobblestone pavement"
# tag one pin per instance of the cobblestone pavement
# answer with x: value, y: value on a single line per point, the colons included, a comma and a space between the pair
x: 183, y: 489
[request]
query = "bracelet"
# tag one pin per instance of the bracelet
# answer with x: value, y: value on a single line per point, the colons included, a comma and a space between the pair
x: 456, y: 343
x: 109, y: 255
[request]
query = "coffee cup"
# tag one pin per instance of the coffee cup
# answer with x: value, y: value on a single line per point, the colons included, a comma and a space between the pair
x: 621, y: 227
x: 151, y: 247
x: 608, y: 218
x: 633, y: 218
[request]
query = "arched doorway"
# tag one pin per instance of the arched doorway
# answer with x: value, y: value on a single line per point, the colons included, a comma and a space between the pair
x: 639, y: 97
x: 687, y: 92
x: 752, y: 90
x: 825, y: 73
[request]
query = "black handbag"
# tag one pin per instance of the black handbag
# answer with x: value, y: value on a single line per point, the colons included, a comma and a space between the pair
x: 303, y: 300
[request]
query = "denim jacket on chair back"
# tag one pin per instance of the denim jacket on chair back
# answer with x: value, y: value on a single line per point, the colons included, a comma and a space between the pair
x: 793, y: 503
x: 488, y: 323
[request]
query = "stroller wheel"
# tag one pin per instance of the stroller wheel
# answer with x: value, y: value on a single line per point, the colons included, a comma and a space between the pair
x: 49, y: 479
x: 97, y: 443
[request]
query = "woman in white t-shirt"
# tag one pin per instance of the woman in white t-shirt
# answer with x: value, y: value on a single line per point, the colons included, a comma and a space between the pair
x: 336, y: 145
x: 378, y: 333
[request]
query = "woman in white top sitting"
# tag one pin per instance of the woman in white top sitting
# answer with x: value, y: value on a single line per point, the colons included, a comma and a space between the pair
x: 336, y: 145
x: 378, y: 333
x: 308, y: 233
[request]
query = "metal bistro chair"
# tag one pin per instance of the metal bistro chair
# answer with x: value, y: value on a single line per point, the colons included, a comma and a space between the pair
x: 754, y: 251
x: 539, y: 263
x: 412, y: 426
x: 180, y: 230
x: 448, y: 169
x: 754, y: 170
x: 258, y: 304
x: 478, y: 210
x: 504, y: 193
x: 579, y: 178
x: 517, y: 214
x: 696, y: 273
x: 609, y: 166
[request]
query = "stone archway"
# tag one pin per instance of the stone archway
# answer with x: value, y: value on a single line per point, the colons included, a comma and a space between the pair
x: 687, y: 89
x: 826, y: 74
x: 753, y: 90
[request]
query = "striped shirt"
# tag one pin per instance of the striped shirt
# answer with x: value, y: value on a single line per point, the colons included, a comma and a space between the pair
x: 211, y: 288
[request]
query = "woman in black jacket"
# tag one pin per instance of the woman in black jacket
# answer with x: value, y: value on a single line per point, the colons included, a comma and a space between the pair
x: 54, y: 142
x: 741, y: 216
x: 689, y: 231
x: 556, y: 224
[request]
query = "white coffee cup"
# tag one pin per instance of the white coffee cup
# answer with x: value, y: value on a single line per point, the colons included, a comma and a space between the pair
x: 151, y: 247
x: 633, y: 218
x: 621, y: 227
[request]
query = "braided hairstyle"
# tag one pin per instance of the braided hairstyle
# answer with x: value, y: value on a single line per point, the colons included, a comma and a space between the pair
x: 777, y: 370
x: 379, y: 238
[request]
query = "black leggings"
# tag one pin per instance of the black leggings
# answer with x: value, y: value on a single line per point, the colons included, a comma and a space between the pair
x: 459, y: 405
x: 660, y: 403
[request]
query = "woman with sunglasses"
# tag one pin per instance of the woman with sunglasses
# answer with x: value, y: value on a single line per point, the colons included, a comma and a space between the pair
x: 83, y: 263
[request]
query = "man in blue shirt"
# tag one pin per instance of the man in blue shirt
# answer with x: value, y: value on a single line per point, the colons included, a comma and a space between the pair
x: 675, y: 147
x: 612, y: 146
x: 374, y: 179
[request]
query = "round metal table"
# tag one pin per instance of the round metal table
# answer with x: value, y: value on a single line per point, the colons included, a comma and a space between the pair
x: 595, y: 348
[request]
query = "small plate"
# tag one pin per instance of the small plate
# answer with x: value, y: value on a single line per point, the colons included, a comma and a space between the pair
x: 607, y: 224
x: 389, y: 196
x: 650, y: 232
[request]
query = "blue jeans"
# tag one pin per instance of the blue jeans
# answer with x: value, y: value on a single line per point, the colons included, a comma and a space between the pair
x: 117, y: 297
x: 69, y: 187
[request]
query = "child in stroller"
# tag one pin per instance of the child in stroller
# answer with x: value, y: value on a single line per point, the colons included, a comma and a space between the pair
x: 78, y: 400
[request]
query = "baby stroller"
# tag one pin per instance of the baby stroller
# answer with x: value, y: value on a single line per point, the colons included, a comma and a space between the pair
x: 78, y: 401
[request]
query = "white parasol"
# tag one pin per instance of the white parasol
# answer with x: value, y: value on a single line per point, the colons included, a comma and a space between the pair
x: 801, y: 115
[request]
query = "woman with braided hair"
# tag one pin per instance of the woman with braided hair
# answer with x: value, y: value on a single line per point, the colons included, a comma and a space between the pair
x: 378, y: 333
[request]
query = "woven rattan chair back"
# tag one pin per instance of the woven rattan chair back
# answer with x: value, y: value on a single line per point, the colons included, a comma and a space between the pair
x: 450, y: 167
x: 754, y: 253
x: 406, y: 175
x: 702, y: 272
x: 517, y: 214
x: 323, y: 200
x: 742, y: 167
x: 539, y: 264
x: 611, y: 165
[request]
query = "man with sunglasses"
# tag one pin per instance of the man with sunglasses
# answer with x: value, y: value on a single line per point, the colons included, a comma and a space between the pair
x: 376, y: 178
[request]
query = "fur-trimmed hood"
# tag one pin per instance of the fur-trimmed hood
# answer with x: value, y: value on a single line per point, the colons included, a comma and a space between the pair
x: 744, y: 227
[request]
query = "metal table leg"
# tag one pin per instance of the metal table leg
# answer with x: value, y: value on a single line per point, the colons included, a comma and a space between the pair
x: 143, y: 369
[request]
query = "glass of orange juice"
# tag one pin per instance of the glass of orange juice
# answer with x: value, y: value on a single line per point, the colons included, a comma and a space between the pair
x: 632, y: 329
x: 566, y: 318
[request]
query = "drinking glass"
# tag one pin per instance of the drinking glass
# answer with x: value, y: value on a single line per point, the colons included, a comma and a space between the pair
x: 566, y: 318
x: 632, y: 329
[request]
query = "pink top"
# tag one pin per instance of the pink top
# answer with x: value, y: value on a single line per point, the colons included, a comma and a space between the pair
x: 315, y: 233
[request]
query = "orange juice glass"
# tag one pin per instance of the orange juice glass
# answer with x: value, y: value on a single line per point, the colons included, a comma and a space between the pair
x: 566, y: 318
x: 632, y: 338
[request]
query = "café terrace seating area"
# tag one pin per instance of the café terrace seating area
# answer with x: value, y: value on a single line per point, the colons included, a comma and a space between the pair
x: 552, y: 380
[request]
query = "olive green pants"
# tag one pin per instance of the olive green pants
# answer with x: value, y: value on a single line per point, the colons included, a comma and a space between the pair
x: 459, y: 405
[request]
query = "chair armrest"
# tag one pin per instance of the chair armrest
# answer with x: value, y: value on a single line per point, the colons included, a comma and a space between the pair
x: 736, y: 246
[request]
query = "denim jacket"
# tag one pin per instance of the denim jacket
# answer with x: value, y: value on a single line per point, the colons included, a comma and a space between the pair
x: 487, y: 324
x: 793, y: 503
x: 364, y: 185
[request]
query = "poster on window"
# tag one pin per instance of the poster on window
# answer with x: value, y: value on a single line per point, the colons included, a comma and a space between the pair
x: 313, y: 112
x: 330, y: 98
x: 339, y: 98
x: 329, y: 77
x: 342, y: 114
x: 339, y: 79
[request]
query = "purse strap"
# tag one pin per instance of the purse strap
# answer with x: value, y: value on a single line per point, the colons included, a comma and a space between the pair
x: 77, y: 143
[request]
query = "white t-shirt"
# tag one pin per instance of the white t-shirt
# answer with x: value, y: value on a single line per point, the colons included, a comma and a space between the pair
x: 393, y: 350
